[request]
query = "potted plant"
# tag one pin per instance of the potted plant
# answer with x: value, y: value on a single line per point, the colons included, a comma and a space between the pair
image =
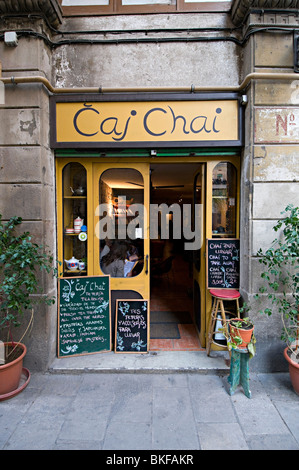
x: 239, y: 333
x: 20, y: 263
x: 281, y: 285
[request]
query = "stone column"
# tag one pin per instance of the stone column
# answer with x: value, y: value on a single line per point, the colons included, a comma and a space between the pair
x: 270, y: 162
x: 27, y: 176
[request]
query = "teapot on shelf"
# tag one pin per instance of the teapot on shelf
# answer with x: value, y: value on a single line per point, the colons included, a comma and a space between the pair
x: 72, y: 264
x: 78, y: 222
x: 80, y: 191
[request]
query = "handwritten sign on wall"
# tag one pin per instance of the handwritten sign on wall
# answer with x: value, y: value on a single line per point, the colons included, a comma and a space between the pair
x: 132, y: 326
x: 223, y: 263
x: 84, y: 325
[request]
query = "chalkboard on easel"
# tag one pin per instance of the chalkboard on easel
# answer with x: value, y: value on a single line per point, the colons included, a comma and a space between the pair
x: 84, y: 323
x: 132, y: 326
x: 223, y: 263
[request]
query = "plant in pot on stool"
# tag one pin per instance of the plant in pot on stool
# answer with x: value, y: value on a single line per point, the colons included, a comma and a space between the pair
x: 20, y: 264
x: 241, y: 342
x: 281, y: 285
x: 239, y: 334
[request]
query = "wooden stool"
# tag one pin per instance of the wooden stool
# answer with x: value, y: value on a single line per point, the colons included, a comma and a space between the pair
x: 239, y: 371
x: 219, y: 295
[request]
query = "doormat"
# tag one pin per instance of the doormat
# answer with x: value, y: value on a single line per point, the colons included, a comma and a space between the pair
x: 171, y: 317
x: 164, y: 331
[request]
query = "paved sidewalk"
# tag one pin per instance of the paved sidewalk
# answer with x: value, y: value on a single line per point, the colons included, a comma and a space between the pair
x: 153, y: 411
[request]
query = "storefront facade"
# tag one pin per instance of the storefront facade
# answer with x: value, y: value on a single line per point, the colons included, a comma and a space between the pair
x: 121, y: 106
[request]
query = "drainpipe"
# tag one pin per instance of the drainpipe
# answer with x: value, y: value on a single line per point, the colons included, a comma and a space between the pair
x: 238, y: 88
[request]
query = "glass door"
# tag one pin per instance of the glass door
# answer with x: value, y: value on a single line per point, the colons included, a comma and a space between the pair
x: 224, y: 200
x: 121, y: 227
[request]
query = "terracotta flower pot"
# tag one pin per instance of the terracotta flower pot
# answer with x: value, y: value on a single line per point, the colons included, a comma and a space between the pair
x: 10, y: 373
x: 294, y: 371
x: 244, y: 333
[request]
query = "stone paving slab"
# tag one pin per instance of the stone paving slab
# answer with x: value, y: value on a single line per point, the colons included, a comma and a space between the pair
x: 158, y: 361
x: 154, y: 412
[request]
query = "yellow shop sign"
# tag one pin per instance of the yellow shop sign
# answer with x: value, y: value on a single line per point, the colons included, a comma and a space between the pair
x: 103, y: 123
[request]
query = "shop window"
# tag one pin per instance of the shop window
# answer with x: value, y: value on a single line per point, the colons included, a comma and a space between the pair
x: 74, y: 220
x: 121, y: 222
x: 224, y: 200
x: 94, y: 7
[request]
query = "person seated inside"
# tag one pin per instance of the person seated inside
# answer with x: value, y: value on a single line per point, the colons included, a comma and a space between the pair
x: 132, y: 260
x: 114, y: 262
x: 105, y: 247
x: 132, y: 253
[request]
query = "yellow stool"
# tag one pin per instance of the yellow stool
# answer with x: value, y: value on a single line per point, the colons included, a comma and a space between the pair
x: 219, y: 295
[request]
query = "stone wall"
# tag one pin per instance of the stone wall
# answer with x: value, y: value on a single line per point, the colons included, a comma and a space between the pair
x: 269, y: 158
x: 27, y: 166
x: 127, y: 61
x: 27, y: 180
x: 269, y: 173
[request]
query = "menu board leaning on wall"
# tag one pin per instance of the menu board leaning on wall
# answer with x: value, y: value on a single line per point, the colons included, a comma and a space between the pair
x: 84, y: 318
x: 132, y: 326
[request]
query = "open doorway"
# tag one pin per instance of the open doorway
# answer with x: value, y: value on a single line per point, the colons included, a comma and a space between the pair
x: 173, y: 326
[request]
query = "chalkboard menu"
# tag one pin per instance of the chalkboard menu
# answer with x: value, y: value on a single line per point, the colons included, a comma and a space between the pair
x: 132, y: 326
x: 223, y: 263
x: 84, y: 325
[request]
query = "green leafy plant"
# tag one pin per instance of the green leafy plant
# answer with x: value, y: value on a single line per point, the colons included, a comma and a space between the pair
x: 236, y: 339
x: 233, y: 336
x: 281, y: 277
x: 241, y: 323
x: 21, y: 261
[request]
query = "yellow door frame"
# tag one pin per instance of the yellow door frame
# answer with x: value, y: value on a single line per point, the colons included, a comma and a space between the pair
x: 199, y: 275
x: 60, y: 165
x: 94, y: 167
x: 209, y: 183
x: 139, y: 283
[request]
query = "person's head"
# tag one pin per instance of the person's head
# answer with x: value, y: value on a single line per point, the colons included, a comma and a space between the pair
x: 132, y: 249
x: 108, y: 242
x: 119, y: 250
